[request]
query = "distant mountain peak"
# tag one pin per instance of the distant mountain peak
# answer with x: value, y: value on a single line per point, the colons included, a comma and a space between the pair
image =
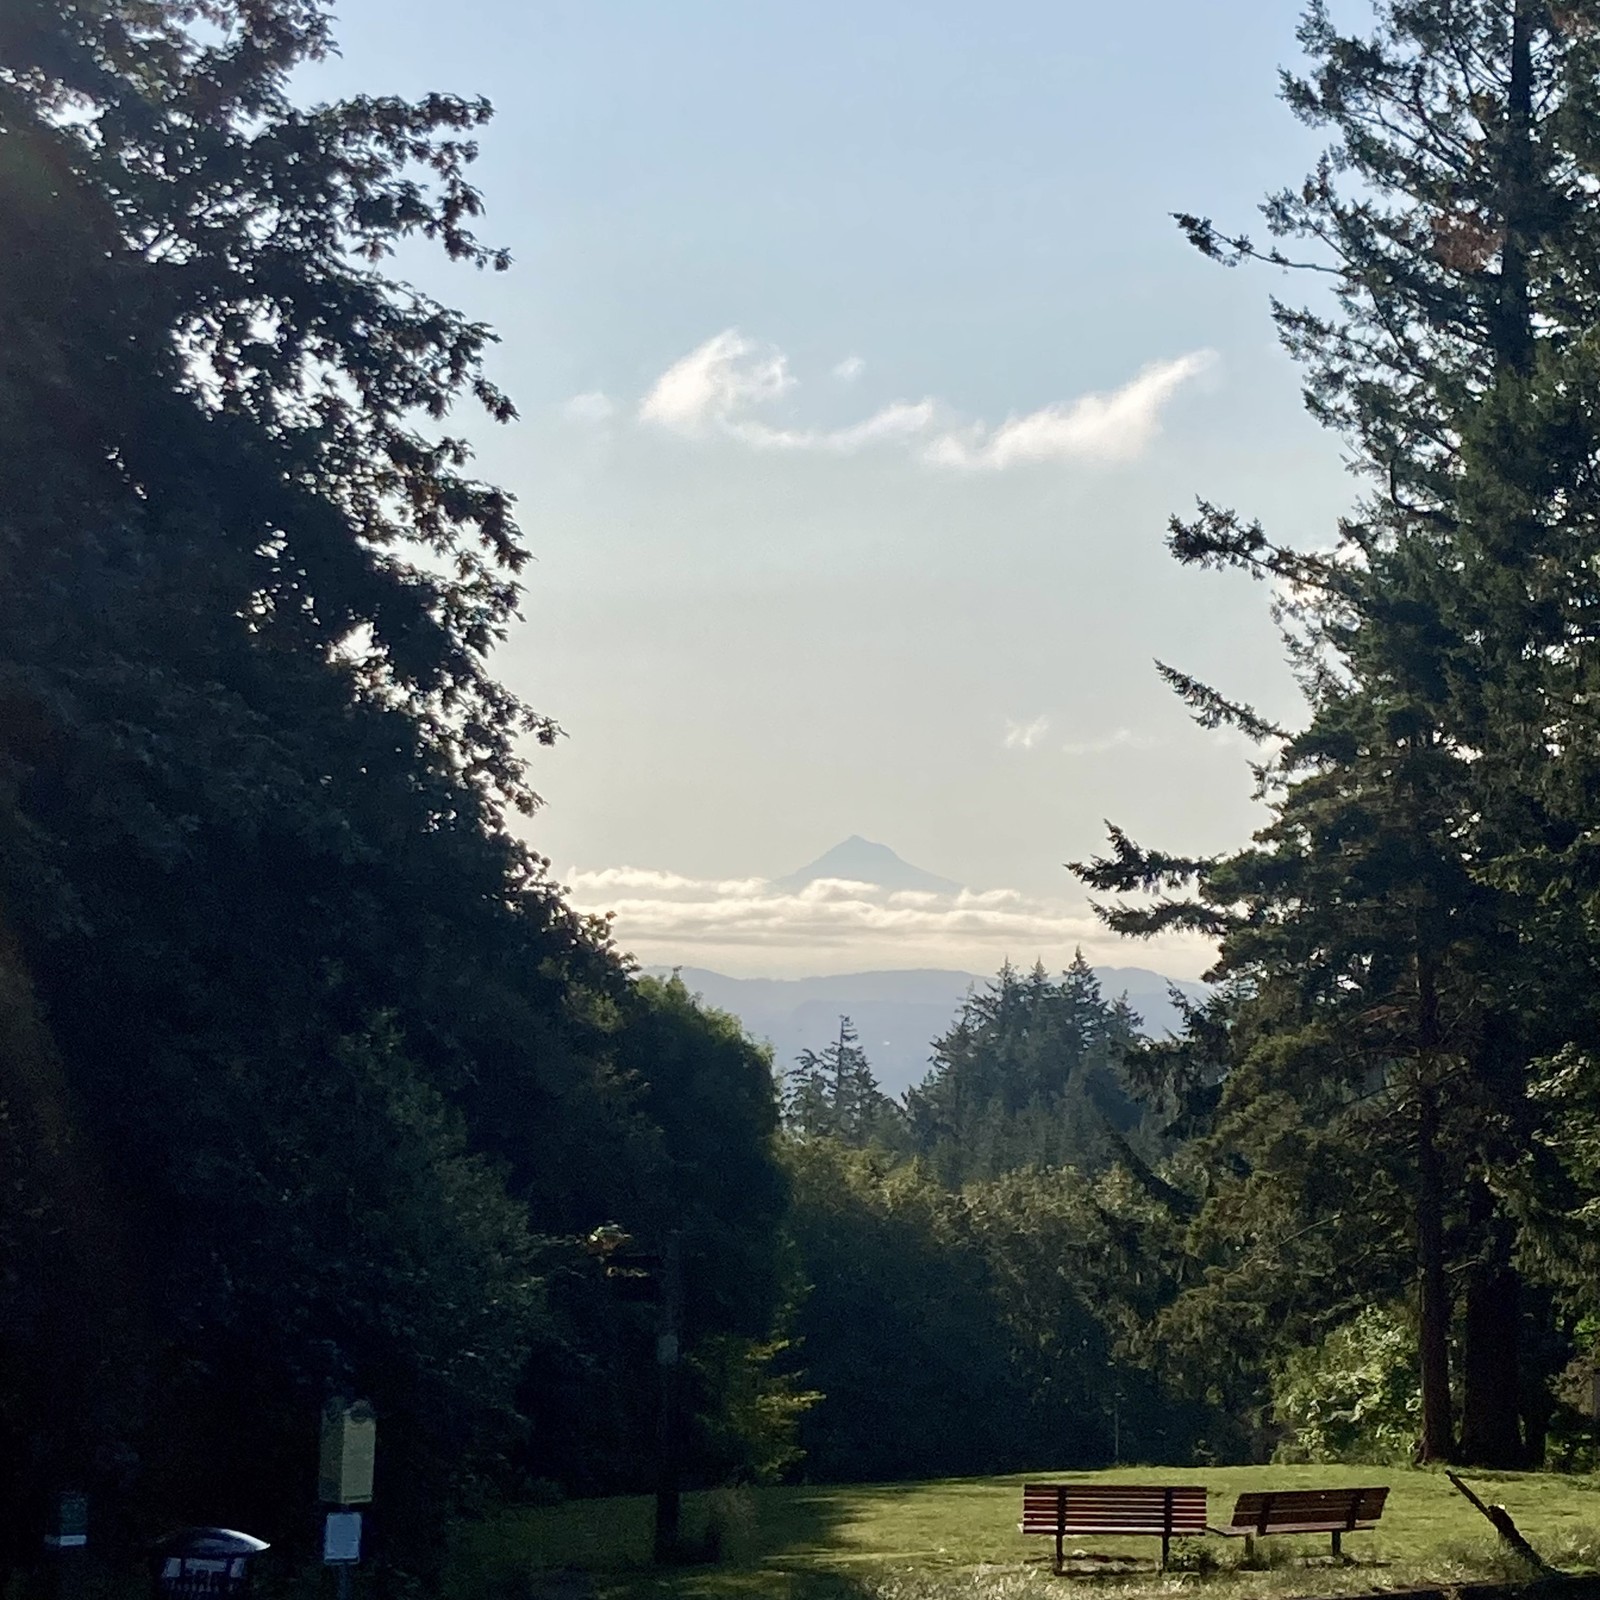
x: 865, y: 861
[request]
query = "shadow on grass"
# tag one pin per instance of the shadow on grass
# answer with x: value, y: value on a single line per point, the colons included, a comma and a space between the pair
x: 734, y: 1542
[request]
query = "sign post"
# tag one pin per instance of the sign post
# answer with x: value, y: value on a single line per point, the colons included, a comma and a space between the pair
x: 345, y: 1467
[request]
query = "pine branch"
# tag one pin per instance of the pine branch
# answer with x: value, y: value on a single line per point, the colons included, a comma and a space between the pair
x: 1130, y: 870
x: 1202, y: 233
x: 1174, y: 1200
x: 1166, y: 916
x: 1212, y: 711
x: 1217, y: 538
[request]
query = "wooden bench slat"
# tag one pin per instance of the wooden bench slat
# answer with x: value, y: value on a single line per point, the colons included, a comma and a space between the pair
x: 1314, y: 1527
x: 1318, y: 1510
x: 1260, y: 1512
x: 1161, y: 1511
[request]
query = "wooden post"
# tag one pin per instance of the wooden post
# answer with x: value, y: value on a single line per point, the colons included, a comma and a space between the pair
x: 1501, y: 1521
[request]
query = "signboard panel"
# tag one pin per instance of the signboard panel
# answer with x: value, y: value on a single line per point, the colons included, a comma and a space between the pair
x: 341, y: 1538
x: 349, y: 1449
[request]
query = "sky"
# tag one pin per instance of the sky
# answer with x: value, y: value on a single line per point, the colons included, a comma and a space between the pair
x: 859, y: 367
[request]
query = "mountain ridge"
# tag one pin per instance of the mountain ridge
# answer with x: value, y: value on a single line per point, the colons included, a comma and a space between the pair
x: 898, y: 1012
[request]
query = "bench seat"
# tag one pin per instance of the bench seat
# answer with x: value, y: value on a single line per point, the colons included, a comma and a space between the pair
x: 1332, y: 1511
x: 1161, y: 1511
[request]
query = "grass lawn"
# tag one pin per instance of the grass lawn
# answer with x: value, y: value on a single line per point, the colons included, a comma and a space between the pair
x: 957, y: 1537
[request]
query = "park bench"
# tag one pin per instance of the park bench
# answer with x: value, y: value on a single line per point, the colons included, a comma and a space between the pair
x: 1331, y: 1511
x: 1058, y: 1510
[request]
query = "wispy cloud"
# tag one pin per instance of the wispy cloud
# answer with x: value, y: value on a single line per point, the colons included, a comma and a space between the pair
x: 595, y: 406
x: 1121, y: 739
x: 902, y: 419
x: 716, y: 389
x: 1025, y: 735
x: 719, y: 389
x: 1095, y: 427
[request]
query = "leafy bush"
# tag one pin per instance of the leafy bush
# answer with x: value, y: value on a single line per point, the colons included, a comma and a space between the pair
x: 1354, y: 1396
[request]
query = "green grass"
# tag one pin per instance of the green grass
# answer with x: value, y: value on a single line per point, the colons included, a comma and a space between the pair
x: 937, y: 1541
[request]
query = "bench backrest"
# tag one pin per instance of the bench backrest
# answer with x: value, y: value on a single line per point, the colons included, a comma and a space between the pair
x: 1312, y: 1510
x: 1113, y: 1508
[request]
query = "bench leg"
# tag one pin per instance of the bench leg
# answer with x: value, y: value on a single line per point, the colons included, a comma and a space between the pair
x: 1166, y: 1545
x: 1061, y: 1560
x: 1249, y: 1550
x: 1338, y: 1553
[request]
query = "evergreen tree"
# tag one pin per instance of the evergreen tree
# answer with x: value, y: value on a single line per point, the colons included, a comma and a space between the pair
x: 833, y: 1093
x: 1392, y: 928
x: 1028, y: 1075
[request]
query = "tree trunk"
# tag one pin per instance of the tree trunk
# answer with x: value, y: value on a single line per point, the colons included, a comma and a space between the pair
x: 1512, y: 331
x: 1433, y: 1295
x: 1491, y: 1388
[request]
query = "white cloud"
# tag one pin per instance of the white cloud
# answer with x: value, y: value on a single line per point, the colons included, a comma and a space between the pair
x: 1095, y: 427
x: 662, y: 885
x: 666, y: 918
x: 713, y: 383
x: 1122, y: 739
x: 594, y: 406
x: 900, y: 420
x: 717, y: 390
x: 1025, y: 735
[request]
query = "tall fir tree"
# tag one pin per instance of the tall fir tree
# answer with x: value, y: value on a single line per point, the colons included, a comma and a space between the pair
x: 1391, y: 936
x: 833, y: 1093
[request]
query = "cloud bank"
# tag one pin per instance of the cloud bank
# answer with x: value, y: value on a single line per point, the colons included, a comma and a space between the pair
x: 744, y: 925
x: 719, y: 391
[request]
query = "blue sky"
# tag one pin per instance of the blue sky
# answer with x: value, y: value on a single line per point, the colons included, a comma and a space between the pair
x: 860, y: 366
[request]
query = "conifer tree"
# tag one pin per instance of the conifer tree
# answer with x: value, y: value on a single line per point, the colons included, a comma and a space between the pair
x: 1391, y: 926
x: 1029, y: 1075
x: 834, y: 1093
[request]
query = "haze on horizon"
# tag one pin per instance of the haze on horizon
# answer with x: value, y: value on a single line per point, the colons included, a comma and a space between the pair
x: 860, y: 366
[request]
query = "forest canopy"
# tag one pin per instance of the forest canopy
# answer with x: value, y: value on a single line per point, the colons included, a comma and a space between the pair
x: 313, y: 1086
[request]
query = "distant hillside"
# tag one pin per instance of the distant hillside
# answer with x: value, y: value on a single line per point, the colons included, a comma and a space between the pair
x: 897, y: 1014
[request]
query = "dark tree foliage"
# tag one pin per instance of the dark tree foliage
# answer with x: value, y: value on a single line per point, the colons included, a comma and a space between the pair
x: 303, y: 1053
x: 699, y: 1163
x: 833, y: 1093
x: 1029, y: 1075
x: 983, y: 1276
x: 1403, y: 939
x: 987, y: 1331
